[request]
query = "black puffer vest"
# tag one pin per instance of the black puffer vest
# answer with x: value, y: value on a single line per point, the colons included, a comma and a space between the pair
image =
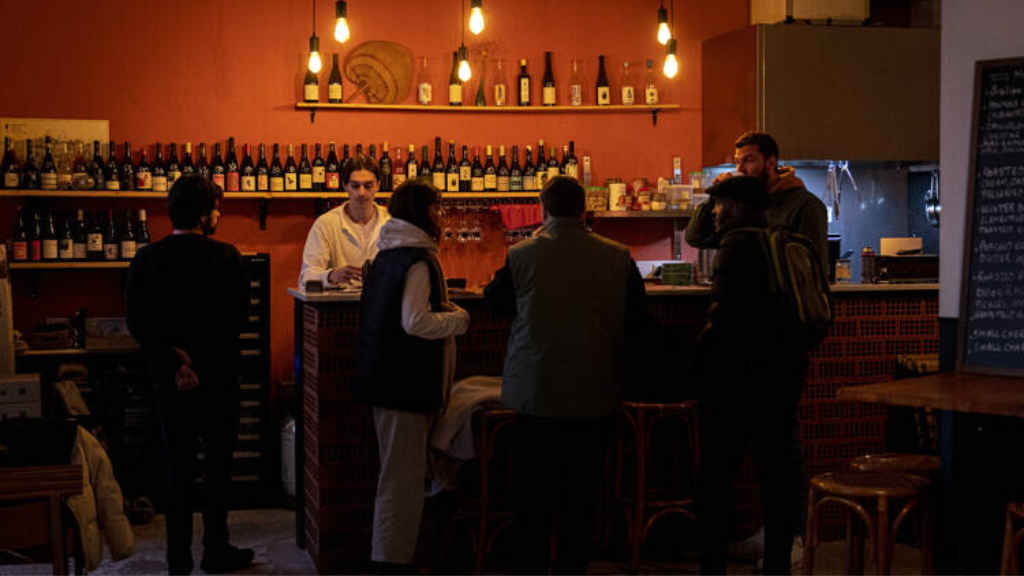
x: 393, y: 369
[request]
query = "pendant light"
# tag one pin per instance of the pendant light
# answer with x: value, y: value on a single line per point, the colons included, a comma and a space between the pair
x: 671, y: 66
x: 476, y: 17
x: 663, y: 32
x: 465, y: 72
x: 341, y: 32
x: 315, y: 63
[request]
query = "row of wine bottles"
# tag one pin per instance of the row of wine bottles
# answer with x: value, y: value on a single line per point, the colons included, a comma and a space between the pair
x: 316, y: 175
x: 37, y: 237
x: 525, y: 90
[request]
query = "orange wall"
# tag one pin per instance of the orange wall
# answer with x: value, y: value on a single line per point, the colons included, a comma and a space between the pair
x: 205, y: 70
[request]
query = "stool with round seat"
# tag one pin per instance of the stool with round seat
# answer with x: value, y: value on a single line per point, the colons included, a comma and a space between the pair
x: 897, y: 462
x: 881, y: 501
x: 1012, y: 538
x: 645, y: 505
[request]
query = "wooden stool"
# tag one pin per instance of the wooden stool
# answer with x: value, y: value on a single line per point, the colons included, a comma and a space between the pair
x: 868, y: 495
x: 479, y: 510
x: 1012, y: 538
x: 896, y: 462
x: 644, y: 506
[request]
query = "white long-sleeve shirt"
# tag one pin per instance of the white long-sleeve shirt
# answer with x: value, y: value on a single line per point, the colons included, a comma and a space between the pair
x: 335, y: 240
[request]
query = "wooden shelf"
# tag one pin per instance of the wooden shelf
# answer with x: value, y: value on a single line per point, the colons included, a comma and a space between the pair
x: 312, y: 107
x: 69, y: 265
x: 642, y: 213
x: 82, y: 194
x: 75, y: 352
x: 251, y: 195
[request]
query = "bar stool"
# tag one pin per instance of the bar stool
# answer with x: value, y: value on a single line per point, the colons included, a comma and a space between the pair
x: 870, y: 497
x: 1012, y: 538
x: 897, y: 462
x: 644, y: 506
x: 483, y: 510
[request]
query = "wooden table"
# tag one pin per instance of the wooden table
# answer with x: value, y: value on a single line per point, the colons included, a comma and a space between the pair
x: 50, y: 485
x: 955, y: 391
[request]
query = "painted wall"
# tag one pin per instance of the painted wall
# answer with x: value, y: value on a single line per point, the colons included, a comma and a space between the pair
x: 973, y: 30
x: 204, y: 70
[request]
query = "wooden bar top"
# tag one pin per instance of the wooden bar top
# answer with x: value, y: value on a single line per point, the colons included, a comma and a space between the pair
x: 957, y: 391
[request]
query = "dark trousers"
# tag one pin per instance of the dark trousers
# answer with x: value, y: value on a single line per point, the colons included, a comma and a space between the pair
x: 557, y: 457
x: 732, y: 424
x: 185, y: 418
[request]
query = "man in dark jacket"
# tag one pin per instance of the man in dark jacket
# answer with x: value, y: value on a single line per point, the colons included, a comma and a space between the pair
x: 575, y: 299
x: 751, y: 369
x: 188, y: 298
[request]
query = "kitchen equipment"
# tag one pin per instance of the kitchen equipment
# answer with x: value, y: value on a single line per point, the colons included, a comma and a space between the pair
x: 900, y: 246
x: 843, y: 275
x: 932, y: 205
x: 833, y: 255
x: 921, y: 269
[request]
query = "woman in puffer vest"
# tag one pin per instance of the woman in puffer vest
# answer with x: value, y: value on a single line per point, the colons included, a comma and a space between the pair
x: 405, y: 364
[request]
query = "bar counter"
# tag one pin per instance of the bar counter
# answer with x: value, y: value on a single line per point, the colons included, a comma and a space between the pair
x: 336, y: 444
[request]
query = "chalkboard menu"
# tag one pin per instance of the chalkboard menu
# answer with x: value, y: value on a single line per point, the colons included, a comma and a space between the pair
x: 992, y: 286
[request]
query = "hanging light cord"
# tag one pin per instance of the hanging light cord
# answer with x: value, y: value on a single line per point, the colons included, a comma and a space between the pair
x: 462, y: 25
x: 672, y: 6
x: 314, y: 17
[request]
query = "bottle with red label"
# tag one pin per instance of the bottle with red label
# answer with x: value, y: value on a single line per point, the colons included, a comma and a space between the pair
x: 20, y: 238
x: 217, y: 170
x: 232, y: 177
x: 35, y: 239
x: 332, y: 169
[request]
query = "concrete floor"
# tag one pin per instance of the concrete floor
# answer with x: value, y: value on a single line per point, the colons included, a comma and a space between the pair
x: 271, y: 534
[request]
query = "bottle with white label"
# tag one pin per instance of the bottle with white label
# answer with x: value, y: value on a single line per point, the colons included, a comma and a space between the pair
x: 523, y: 84
x: 454, y: 83
x: 604, y: 91
x: 311, y: 87
x: 575, y: 85
x: 128, y: 241
x: 142, y: 237
x: 549, y: 96
x: 80, y: 239
x: 334, y: 83
x: 48, y: 169
x: 49, y: 238
x: 94, y: 240
x: 66, y: 241
x: 64, y: 168
x: 650, y: 88
x: 424, y: 89
x: 628, y: 94
x: 500, y: 88
x: 111, y: 243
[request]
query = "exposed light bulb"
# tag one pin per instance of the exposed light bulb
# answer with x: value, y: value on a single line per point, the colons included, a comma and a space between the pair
x: 465, y: 73
x: 476, y: 18
x: 341, y: 32
x: 315, y: 64
x: 671, y: 67
x: 664, y: 34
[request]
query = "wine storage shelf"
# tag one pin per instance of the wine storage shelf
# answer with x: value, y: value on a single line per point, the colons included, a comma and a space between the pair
x: 312, y: 107
x: 89, y: 194
x: 69, y: 265
x: 642, y: 213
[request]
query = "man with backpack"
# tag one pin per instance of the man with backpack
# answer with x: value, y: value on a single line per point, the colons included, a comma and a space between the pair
x: 769, y: 307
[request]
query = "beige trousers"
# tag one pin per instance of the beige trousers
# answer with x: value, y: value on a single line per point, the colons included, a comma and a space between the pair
x: 398, y: 508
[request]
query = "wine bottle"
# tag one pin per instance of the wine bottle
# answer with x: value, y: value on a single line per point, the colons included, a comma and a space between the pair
x: 305, y: 171
x: 159, y: 170
x: 231, y: 174
x: 247, y: 178
x: 465, y: 171
x: 80, y: 167
x: 440, y: 177
x: 454, y: 83
x: 503, y: 171
x: 66, y: 241
x: 650, y: 88
x: 319, y: 170
x: 9, y: 166
x: 30, y: 179
x: 187, y: 167
x: 202, y: 167
x: 48, y: 170
x: 80, y: 238
x: 373, y: 151
x: 572, y: 166
x: 554, y: 170
x: 424, y: 89
x: 477, y: 172
x: 111, y: 243
x: 575, y: 85
x: 500, y: 87
x: 262, y: 171
x: 480, y: 99
x: 451, y: 181
x: 628, y: 94
x: 411, y: 166
x: 359, y: 150
x: 276, y: 171
x: 95, y: 168
x: 542, y: 166
x: 142, y: 238
x: 113, y: 170
x: 398, y: 176
x: 333, y: 170
x: 173, y: 167
x: 127, y: 168
x: 426, y: 175
x: 490, y: 172
x: 49, y: 238
x: 346, y: 159
x: 549, y: 96
x: 128, y: 244
x: 94, y: 240
x: 20, y: 237
x: 64, y: 168
x: 334, y: 92
x: 311, y: 87
x: 291, y: 171
x: 523, y: 84
x: 515, y: 172
x: 144, y: 174
x: 217, y: 168
x: 604, y: 91
x: 529, y: 173
x: 386, y: 177
x: 35, y: 238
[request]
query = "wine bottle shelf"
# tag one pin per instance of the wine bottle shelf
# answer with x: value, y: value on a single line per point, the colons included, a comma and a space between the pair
x: 312, y: 107
x: 76, y: 352
x: 642, y: 213
x: 88, y: 194
x: 68, y: 265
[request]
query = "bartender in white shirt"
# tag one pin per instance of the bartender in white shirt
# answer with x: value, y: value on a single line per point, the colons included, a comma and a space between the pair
x: 342, y: 239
